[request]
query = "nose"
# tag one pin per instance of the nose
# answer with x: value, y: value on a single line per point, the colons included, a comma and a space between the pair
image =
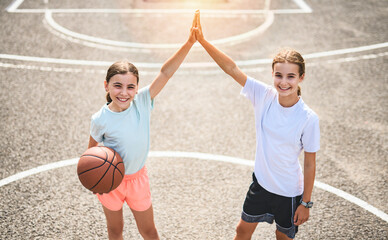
x: 283, y: 80
x: 123, y: 92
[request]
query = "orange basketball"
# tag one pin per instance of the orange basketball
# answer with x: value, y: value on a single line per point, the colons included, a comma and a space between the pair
x: 100, y: 169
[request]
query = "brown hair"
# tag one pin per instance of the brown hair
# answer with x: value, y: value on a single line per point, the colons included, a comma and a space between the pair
x: 289, y: 55
x: 122, y: 67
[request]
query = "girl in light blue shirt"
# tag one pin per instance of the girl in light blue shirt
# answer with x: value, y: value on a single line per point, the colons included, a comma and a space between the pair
x: 124, y: 125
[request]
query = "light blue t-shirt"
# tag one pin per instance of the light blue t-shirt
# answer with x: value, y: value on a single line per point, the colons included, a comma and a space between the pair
x: 127, y: 132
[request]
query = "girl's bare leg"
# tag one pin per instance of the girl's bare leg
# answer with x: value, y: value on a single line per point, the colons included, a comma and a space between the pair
x: 244, y: 230
x: 145, y: 223
x: 115, y: 223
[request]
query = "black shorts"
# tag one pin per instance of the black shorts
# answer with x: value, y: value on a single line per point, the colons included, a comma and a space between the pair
x: 263, y: 206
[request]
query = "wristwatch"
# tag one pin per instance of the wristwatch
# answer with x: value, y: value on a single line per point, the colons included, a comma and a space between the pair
x: 306, y: 205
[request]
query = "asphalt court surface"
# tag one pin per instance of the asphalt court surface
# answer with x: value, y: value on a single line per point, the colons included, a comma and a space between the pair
x: 52, y: 67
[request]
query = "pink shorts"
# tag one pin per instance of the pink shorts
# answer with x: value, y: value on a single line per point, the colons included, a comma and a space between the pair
x: 134, y: 189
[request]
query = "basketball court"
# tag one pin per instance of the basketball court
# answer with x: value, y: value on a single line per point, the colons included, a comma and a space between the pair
x: 53, y: 60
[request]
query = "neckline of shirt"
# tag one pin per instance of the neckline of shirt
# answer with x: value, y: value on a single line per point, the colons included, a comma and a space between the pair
x: 106, y: 106
x: 289, y: 109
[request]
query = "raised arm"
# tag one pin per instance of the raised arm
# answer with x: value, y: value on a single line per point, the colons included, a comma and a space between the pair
x: 172, y: 64
x: 224, y: 61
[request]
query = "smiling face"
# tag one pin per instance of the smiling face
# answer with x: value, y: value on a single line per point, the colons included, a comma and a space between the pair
x: 286, y: 80
x: 122, y: 89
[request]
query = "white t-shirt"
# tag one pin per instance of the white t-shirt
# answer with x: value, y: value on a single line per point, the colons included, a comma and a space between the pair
x: 281, y: 134
x: 127, y: 132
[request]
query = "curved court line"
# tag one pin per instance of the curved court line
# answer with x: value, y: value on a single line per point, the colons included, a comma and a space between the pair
x: 82, y: 38
x: 202, y: 156
x: 36, y: 170
x: 320, y: 54
x: 193, y: 64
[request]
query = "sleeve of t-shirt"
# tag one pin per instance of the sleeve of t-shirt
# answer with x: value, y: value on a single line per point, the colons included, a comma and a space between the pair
x: 255, y: 91
x: 96, y: 130
x: 144, y: 98
x: 311, y: 135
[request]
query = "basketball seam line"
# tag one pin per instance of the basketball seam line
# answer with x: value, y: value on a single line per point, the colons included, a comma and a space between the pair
x: 94, y: 167
x: 87, y: 155
x: 110, y: 164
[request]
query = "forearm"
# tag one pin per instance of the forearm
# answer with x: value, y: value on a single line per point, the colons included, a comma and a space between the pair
x: 225, y: 62
x: 309, y: 177
x: 172, y: 64
x: 169, y: 68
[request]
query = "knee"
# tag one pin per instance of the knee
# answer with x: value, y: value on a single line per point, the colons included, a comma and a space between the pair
x: 149, y: 233
x: 245, y: 230
x: 115, y: 231
x: 281, y: 236
x: 242, y: 233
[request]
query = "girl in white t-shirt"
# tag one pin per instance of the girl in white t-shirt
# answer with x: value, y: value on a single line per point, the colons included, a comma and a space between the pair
x: 123, y: 124
x: 285, y: 126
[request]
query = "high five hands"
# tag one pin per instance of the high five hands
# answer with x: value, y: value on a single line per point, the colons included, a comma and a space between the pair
x: 196, y: 29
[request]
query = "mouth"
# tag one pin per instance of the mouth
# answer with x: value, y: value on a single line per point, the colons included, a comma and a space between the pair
x: 123, y: 100
x: 284, y: 89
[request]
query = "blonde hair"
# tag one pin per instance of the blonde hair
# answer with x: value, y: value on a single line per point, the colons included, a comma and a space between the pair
x: 289, y: 55
x: 121, y: 67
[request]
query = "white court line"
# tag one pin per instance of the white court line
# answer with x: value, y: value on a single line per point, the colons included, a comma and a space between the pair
x: 14, y: 5
x: 100, y: 71
x: 140, y: 12
x: 36, y: 170
x: 201, y: 156
x: 303, y: 5
x: 95, y: 42
x: 81, y: 38
x: 304, y: 8
x: 184, y: 72
x: 320, y: 54
x: 189, y: 65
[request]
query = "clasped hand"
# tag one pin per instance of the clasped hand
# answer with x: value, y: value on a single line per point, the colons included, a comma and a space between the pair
x: 196, y: 29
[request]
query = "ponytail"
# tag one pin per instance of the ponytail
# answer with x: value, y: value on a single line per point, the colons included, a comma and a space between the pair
x: 108, y: 99
x: 299, y: 91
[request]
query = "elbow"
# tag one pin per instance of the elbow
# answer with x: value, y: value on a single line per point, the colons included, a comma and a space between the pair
x: 231, y: 69
x: 167, y: 74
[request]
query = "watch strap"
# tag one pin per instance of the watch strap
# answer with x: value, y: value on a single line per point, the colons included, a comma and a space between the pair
x: 306, y: 205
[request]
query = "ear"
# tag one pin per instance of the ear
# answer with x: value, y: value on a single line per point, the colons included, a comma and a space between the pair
x: 301, y: 78
x: 106, y: 86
